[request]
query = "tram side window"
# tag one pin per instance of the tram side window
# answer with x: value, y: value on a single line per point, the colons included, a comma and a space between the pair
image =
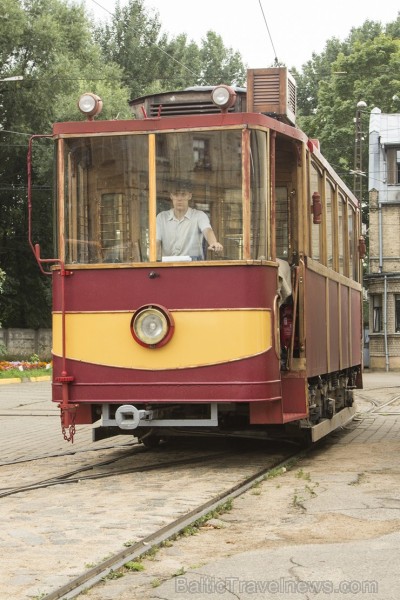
x: 352, y: 243
x: 282, y: 222
x: 341, y: 233
x: 329, y: 196
x: 259, y: 186
x: 315, y: 229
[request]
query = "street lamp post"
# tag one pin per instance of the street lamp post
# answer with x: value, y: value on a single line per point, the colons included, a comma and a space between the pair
x: 358, y: 172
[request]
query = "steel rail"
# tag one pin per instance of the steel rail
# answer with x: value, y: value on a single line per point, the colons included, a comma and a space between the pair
x: 375, y: 408
x: 18, y: 461
x: 118, y: 560
x: 68, y: 477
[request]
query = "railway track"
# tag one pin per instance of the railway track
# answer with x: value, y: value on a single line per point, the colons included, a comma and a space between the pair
x: 124, y: 500
x: 68, y: 477
x: 96, y: 574
x: 73, y: 452
x: 62, y: 513
x: 378, y: 408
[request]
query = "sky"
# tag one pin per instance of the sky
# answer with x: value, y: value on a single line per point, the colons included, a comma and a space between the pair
x: 297, y: 29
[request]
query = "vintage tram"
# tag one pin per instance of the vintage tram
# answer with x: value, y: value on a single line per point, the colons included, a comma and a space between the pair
x: 263, y: 338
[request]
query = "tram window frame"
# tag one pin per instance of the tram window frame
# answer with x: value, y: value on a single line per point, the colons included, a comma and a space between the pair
x: 89, y: 175
x: 104, y: 167
x: 259, y: 191
x: 282, y: 218
x: 352, y: 242
x: 315, y: 230
x: 330, y: 228
x: 341, y: 233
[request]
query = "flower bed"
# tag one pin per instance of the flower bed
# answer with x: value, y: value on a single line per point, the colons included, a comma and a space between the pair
x: 24, y: 368
x: 22, y: 365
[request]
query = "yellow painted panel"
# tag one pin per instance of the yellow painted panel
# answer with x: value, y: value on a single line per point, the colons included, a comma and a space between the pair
x: 200, y: 338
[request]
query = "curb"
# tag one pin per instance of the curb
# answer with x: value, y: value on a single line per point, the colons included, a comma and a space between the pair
x: 6, y: 381
x: 10, y: 380
x: 40, y: 378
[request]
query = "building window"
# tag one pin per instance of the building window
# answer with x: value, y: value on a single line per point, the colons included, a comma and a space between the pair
x: 393, y: 166
x: 377, y: 313
x: 201, y: 154
x: 397, y: 313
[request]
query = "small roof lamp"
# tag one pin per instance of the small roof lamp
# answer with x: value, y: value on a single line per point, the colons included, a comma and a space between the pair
x: 224, y: 97
x: 90, y: 105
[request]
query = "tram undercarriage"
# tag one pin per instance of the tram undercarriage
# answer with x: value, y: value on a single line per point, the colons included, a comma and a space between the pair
x: 330, y: 405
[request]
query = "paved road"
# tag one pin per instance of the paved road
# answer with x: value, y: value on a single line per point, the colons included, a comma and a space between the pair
x: 358, y: 506
x: 327, y: 529
x: 30, y: 422
x: 49, y: 535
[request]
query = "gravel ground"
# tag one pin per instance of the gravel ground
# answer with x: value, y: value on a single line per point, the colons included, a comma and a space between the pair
x: 339, y: 504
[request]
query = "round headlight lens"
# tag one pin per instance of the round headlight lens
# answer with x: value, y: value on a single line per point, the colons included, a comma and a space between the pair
x: 223, y: 96
x: 151, y: 326
x: 90, y: 104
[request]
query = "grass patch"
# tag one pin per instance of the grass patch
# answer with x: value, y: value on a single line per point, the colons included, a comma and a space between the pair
x: 360, y: 479
x: 134, y: 566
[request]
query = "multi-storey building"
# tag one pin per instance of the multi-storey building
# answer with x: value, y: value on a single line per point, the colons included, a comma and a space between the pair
x: 383, y: 279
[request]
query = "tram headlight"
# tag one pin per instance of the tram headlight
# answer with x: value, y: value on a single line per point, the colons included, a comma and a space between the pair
x: 223, y: 96
x: 152, y: 326
x: 90, y: 105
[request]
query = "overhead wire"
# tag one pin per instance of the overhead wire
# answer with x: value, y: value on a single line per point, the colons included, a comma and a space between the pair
x: 269, y: 33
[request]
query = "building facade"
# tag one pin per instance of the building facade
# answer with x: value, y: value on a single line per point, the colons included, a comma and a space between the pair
x: 383, y: 279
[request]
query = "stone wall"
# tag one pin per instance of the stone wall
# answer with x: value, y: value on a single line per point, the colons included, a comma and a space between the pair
x: 23, y: 343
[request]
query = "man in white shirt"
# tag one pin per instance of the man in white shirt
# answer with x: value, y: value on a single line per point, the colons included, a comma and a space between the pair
x: 180, y: 230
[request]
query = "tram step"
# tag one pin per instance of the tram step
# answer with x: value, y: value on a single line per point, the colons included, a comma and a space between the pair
x: 291, y: 416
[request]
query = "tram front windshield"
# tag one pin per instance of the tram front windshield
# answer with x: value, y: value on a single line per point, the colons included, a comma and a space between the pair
x: 114, y: 184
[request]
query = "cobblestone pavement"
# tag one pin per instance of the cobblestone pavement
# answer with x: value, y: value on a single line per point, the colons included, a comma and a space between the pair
x: 51, y: 535
x: 334, y: 519
x: 30, y: 422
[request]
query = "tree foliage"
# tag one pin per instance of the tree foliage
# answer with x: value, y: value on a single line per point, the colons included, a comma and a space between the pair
x: 53, y: 45
x: 48, y: 43
x: 364, y: 67
x: 151, y: 61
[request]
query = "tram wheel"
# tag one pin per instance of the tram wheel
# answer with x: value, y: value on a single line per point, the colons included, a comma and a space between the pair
x: 151, y: 440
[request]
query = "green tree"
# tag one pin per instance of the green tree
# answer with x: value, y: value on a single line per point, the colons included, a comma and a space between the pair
x: 220, y: 64
x: 152, y: 62
x: 363, y: 67
x: 130, y: 39
x: 49, y: 43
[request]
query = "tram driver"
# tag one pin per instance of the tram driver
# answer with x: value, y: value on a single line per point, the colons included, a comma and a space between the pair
x: 182, y: 229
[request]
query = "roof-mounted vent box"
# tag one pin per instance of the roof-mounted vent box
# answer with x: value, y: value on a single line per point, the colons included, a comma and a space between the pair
x: 272, y: 92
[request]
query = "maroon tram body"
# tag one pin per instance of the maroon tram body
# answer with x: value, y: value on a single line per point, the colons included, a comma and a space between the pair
x: 263, y: 337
